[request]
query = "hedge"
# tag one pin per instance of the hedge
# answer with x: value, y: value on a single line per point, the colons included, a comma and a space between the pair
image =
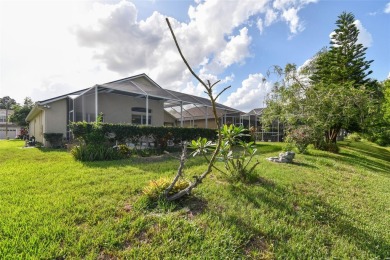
x: 55, y: 139
x: 100, y: 132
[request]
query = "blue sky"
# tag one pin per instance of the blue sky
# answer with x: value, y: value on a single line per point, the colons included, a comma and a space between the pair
x: 49, y: 48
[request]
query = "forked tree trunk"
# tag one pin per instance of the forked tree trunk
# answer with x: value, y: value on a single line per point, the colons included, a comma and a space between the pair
x: 209, y: 91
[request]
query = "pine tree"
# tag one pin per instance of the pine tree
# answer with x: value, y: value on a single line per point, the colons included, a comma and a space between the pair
x: 345, y: 62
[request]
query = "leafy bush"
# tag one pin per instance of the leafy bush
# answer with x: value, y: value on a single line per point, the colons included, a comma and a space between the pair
x: 329, y: 147
x: 147, y: 152
x: 380, y: 136
x: 100, y: 132
x: 234, y: 153
x: 354, y: 137
x: 156, y: 187
x: 288, y: 146
x: 301, y: 137
x: 55, y: 139
x: 123, y: 150
x: 88, y: 152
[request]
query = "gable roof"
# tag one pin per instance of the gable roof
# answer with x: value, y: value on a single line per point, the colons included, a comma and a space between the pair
x: 138, y: 86
x: 255, y: 112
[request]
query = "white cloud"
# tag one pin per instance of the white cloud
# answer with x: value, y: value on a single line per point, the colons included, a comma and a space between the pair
x: 365, y: 37
x: 260, y: 25
x: 236, y: 49
x: 289, y: 13
x: 251, y: 94
x: 127, y: 46
x: 68, y: 45
x: 291, y: 17
x: 387, y: 8
x: 270, y: 17
x: 388, y: 76
x: 38, y: 52
x: 282, y: 4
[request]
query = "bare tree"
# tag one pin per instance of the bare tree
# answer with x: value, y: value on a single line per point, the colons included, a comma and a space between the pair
x: 209, y: 91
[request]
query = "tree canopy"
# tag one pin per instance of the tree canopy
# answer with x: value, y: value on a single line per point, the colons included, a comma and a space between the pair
x: 21, y: 112
x: 7, y: 102
x: 330, y: 93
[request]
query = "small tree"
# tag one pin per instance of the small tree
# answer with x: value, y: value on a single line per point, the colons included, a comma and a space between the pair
x: 202, y: 143
x: 21, y: 112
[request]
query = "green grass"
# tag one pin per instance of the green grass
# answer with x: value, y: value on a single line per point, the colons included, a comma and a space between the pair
x: 322, y: 206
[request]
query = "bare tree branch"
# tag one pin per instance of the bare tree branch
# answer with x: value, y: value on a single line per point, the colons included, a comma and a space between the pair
x: 210, y: 166
x: 182, y: 56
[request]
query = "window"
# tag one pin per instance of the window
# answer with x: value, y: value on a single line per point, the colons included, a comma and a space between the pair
x: 140, y: 119
x: 138, y: 116
x: 3, y: 119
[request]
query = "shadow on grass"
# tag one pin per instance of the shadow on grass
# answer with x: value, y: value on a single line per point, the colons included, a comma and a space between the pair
x: 301, y: 164
x: 360, y: 161
x: 342, y: 225
x: 157, y: 164
x: 52, y: 150
x: 196, y: 205
x: 317, y: 212
x: 375, y: 152
x: 142, y: 163
x: 252, y: 239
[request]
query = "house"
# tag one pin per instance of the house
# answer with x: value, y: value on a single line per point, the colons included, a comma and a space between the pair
x: 8, y: 129
x: 133, y: 100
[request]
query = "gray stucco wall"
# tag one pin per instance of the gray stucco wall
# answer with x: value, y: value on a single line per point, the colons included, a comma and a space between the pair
x: 117, y: 108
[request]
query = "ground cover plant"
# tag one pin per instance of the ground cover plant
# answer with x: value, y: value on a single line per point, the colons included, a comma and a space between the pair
x: 323, y: 206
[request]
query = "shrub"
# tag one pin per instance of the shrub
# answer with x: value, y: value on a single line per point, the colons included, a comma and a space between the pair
x: 100, y: 132
x: 156, y: 187
x: 354, y: 137
x: 123, y: 150
x: 88, y: 152
x: 234, y: 153
x: 301, y: 137
x: 288, y: 146
x: 147, y: 152
x: 380, y: 136
x: 55, y: 139
x: 329, y: 147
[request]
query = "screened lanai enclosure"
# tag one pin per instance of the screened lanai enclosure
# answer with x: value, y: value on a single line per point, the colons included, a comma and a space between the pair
x: 139, y: 100
x: 271, y: 133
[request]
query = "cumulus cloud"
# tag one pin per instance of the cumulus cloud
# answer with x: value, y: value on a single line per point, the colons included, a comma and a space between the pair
x: 289, y: 13
x: 251, y: 94
x: 127, y: 45
x: 365, y: 37
x: 291, y: 17
x: 236, y: 49
x: 270, y: 17
x: 260, y: 25
x: 387, y: 8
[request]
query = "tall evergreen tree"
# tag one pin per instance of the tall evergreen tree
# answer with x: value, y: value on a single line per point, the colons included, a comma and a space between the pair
x: 345, y: 62
x: 344, y: 65
x: 339, y: 94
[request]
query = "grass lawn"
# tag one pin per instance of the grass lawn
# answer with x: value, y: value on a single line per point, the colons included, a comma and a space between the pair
x: 322, y: 206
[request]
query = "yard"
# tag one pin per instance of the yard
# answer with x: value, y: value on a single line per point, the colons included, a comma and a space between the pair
x: 322, y: 206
